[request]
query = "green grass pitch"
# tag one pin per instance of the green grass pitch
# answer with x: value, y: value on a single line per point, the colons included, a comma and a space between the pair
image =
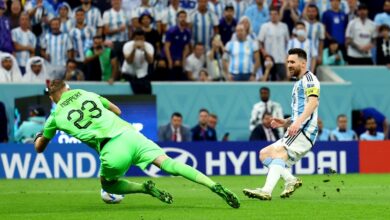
x: 342, y: 197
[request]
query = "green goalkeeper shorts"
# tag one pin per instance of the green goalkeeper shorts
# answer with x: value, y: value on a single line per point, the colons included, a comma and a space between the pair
x: 128, y: 148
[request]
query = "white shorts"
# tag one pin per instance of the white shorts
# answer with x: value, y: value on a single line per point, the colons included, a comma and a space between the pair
x: 297, y: 146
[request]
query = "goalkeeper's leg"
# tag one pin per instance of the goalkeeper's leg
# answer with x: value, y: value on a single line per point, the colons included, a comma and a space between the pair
x: 179, y: 169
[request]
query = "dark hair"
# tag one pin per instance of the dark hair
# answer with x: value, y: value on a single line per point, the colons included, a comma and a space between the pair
x: 176, y: 114
x: 55, y: 19
x: 147, y: 14
x: 180, y: 12
x: 229, y: 7
x: 204, y: 71
x: 298, y: 51
x: 333, y: 41
x: 300, y: 23
x: 341, y: 116
x: 318, y: 11
x: 273, y: 9
x: 97, y: 37
x: 80, y: 10
x: 213, y: 115
x: 138, y: 32
x: 362, y: 6
x: 384, y: 27
x: 273, y: 71
x: 204, y: 110
x: 265, y: 114
x: 71, y: 61
x: 370, y: 118
x: 264, y: 88
x: 198, y: 44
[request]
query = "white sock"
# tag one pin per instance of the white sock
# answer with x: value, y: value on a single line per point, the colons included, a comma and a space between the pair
x: 275, y: 169
x: 287, y: 175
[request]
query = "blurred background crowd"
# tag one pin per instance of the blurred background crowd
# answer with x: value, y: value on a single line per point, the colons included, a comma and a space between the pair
x: 185, y: 40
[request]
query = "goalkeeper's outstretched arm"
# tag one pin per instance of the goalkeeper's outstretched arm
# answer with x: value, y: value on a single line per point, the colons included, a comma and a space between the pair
x: 40, y: 142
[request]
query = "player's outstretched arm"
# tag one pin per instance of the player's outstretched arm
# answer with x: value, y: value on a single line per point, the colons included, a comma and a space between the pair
x: 112, y: 107
x: 40, y: 142
x: 280, y: 122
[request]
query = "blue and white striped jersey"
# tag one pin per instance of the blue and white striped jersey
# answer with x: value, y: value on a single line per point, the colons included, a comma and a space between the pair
x: 57, y: 47
x: 25, y: 38
x: 307, y: 86
x: 307, y: 46
x: 202, y: 26
x: 82, y: 40
x: 115, y: 19
x: 315, y: 32
x: 66, y: 26
x: 142, y: 9
x: 217, y: 8
x: 169, y: 16
x: 239, y: 8
x: 240, y: 56
x: 93, y: 17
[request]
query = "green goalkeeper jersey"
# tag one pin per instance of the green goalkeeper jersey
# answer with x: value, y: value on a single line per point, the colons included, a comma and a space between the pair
x: 85, y: 116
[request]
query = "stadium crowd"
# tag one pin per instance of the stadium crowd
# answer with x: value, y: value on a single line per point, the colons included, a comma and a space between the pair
x: 186, y: 40
x: 175, y: 40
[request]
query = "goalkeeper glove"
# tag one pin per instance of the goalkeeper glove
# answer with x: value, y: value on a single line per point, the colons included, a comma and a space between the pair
x: 39, y: 134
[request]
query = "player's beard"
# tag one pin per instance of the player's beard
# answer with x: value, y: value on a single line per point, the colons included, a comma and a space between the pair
x: 295, y: 71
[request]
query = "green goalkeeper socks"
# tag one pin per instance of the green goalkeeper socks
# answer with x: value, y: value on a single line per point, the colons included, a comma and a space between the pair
x: 179, y: 169
x: 123, y: 186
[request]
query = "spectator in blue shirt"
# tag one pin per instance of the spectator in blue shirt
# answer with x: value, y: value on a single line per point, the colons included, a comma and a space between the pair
x: 5, y: 30
x: 34, y: 124
x: 227, y: 24
x: 371, y: 133
x: 335, y: 22
x: 176, y: 49
x: 342, y: 133
x: 332, y: 55
x: 258, y: 14
x: 323, y: 133
x: 384, y: 17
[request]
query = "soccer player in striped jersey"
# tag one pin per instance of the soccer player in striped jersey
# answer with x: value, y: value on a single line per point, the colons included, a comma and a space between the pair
x: 95, y: 121
x: 57, y: 47
x: 301, y: 132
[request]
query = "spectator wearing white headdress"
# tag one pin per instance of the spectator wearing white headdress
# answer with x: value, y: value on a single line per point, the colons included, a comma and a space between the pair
x: 9, y: 68
x: 35, y: 70
x: 64, y: 12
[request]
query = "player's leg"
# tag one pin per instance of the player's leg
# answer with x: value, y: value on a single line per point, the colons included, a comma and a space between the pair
x: 116, y: 158
x: 176, y: 168
x: 296, y: 150
x: 149, y: 152
x: 273, y: 157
